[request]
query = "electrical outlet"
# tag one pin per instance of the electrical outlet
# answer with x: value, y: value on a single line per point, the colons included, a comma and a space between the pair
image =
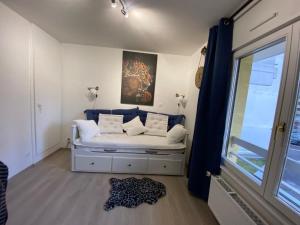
x: 68, y: 142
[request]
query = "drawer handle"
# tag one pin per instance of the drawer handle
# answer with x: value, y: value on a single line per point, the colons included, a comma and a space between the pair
x: 110, y: 150
x: 129, y: 165
x: 265, y: 21
x: 165, y: 166
x: 92, y: 163
x: 151, y: 152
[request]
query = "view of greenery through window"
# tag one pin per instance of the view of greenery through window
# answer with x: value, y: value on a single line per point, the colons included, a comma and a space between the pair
x: 251, y: 169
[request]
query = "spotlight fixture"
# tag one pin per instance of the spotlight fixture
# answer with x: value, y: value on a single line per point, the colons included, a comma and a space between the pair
x: 124, y: 13
x: 114, y: 4
x: 124, y: 10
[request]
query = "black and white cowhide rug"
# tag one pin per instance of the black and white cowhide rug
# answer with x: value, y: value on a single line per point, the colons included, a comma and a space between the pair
x: 131, y: 192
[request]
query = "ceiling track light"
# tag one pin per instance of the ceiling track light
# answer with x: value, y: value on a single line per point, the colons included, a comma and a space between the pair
x: 124, y: 10
x: 114, y: 4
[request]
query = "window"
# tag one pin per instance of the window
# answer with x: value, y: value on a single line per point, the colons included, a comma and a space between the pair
x: 262, y: 136
x: 289, y: 187
x: 257, y: 88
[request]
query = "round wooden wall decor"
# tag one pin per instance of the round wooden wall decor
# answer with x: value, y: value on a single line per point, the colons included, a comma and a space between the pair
x: 199, y: 73
x: 198, y: 77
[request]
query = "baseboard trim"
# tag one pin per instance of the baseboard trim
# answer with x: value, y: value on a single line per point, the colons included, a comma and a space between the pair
x: 39, y: 156
x: 47, y: 153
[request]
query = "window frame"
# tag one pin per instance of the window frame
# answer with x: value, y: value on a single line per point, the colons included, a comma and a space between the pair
x: 268, y: 41
x: 280, y: 151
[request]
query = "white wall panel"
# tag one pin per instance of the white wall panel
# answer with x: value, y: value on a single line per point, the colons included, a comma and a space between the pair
x: 264, y: 17
x: 15, y: 120
x: 17, y: 69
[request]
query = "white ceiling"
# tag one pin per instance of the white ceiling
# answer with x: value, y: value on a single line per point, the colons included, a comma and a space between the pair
x: 164, y: 26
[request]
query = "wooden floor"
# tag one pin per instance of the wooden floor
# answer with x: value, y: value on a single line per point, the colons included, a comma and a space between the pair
x: 50, y: 194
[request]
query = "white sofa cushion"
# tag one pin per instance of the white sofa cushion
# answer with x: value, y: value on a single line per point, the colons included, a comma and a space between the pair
x: 157, y: 124
x: 136, y: 122
x: 176, y: 134
x: 110, y: 124
x: 123, y: 141
x: 87, y: 129
x: 134, y: 127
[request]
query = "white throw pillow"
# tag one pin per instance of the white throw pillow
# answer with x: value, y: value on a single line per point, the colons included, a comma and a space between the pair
x: 134, y: 127
x: 133, y: 131
x: 136, y: 122
x: 87, y: 129
x: 176, y: 134
x: 157, y: 124
x: 110, y: 124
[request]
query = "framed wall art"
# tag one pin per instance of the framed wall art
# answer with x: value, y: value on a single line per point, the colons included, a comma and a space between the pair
x: 138, y: 78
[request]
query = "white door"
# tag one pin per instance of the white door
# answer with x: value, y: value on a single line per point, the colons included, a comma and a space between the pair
x: 47, y: 83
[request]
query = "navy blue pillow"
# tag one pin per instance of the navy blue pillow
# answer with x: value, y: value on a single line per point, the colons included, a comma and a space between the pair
x: 173, y: 119
x: 93, y: 114
x: 129, y: 114
x: 143, y: 116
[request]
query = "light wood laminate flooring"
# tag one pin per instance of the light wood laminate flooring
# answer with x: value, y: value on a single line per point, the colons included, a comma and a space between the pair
x: 50, y: 194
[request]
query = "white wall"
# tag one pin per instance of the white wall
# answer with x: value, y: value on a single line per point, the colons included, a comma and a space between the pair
x: 85, y: 66
x: 192, y: 95
x: 17, y: 133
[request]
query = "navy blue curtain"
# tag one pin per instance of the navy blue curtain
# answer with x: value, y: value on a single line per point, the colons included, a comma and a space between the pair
x: 207, y: 143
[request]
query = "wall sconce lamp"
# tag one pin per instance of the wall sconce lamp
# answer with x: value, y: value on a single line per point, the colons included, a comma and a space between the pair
x: 181, y: 100
x: 93, y: 93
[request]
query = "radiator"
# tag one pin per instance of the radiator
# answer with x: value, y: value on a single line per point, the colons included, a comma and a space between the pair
x: 228, y: 207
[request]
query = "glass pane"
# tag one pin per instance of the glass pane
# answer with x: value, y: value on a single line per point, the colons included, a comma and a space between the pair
x: 257, y: 90
x: 289, y: 188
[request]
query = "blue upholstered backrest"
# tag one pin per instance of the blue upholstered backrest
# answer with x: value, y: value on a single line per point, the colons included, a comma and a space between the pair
x: 93, y: 114
x: 129, y: 114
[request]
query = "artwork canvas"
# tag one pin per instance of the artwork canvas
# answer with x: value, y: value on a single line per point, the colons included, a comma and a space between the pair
x: 138, y: 78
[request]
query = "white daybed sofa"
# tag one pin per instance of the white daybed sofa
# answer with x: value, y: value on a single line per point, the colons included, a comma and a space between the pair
x: 120, y: 153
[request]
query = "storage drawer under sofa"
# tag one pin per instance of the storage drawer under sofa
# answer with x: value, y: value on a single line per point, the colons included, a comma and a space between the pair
x: 169, y: 163
x: 129, y: 164
x: 164, y: 166
x: 93, y: 163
